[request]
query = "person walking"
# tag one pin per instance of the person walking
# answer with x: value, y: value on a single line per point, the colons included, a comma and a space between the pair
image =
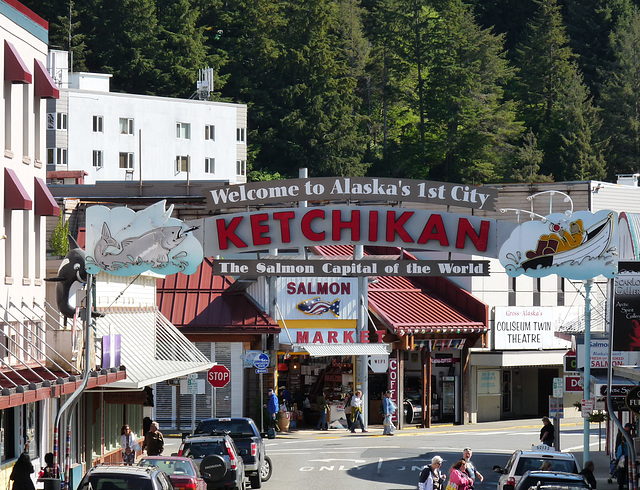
x: 430, y: 477
x: 129, y: 445
x: 356, y: 412
x: 388, y: 409
x: 587, y: 472
x: 470, y: 469
x: 153, y: 441
x: 273, y: 407
x: 547, y: 433
x: 347, y: 410
x: 459, y: 477
x: 323, y: 406
x: 622, y: 467
x: 21, y: 473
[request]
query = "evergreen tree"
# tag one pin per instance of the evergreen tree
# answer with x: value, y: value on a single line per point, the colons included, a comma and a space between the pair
x: 526, y: 163
x: 555, y: 104
x: 471, y: 128
x: 123, y: 40
x: 621, y: 98
x: 183, y: 49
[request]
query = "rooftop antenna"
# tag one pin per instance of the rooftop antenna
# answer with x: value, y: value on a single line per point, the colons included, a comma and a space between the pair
x: 204, y: 85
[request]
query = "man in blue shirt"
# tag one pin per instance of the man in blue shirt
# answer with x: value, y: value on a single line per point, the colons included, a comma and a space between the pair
x: 273, y: 407
x: 388, y: 409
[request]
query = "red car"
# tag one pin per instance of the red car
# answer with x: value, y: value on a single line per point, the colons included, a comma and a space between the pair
x: 183, y: 473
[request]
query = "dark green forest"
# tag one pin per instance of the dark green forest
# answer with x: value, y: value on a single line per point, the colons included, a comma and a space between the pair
x: 476, y: 92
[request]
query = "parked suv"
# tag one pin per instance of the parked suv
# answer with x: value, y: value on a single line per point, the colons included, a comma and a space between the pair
x: 523, y: 461
x: 220, y: 461
x: 247, y: 437
x: 121, y: 477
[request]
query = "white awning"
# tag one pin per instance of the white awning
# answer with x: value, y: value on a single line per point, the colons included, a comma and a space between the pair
x: 629, y: 372
x: 323, y: 350
x: 518, y: 358
x: 152, y: 348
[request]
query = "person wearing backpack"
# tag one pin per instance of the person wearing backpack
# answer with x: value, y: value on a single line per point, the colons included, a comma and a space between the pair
x: 430, y: 476
x: 388, y: 409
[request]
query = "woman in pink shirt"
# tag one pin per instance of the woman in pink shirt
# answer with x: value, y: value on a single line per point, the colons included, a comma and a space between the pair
x: 459, y: 477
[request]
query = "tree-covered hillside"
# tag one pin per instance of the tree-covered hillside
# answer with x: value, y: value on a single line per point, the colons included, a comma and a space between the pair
x: 482, y: 91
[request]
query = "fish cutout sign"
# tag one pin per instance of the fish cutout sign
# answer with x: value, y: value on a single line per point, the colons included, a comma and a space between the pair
x: 123, y: 242
x: 317, y: 306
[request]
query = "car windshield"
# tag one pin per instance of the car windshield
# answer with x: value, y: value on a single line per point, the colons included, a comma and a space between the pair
x: 234, y: 427
x: 534, y: 464
x: 170, y: 466
x: 117, y: 482
x: 199, y: 450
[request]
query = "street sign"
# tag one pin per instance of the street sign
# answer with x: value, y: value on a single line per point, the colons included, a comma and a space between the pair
x: 219, y: 376
x: 558, y: 389
x: 587, y: 408
x: 261, y: 361
x: 192, y: 386
x: 556, y: 407
x: 262, y: 371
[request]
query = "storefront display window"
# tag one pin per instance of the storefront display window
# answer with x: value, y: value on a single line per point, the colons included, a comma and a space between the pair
x: 31, y: 429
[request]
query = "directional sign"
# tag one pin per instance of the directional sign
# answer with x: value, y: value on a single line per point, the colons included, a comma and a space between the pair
x: 261, y: 361
x: 558, y: 391
x: 218, y: 376
x: 262, y: 371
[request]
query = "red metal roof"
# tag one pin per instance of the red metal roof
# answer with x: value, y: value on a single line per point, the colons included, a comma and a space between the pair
x: 420, y: 304
x: 202, y: 303
x: 33, y: 384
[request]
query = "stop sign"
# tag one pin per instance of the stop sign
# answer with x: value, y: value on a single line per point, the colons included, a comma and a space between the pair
x: 218, y: 376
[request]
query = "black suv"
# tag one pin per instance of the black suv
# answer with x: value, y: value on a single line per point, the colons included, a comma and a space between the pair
x: 248, y: 439
x: 121, y: 477
x: 218, y: 458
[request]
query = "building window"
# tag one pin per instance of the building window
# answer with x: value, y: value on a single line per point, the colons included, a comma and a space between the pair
x: 126, y: 126
x: 210, y: 132
x: 536, y: 291
x: 97, y: 158
x: 240, y: 135
x: 183, y: 131
x: 126, y: 160
x: 56, y: 156
x: 512, y: 291
x: 241, y: 167
x: 560, y: 288
x: 209, y: 165
x: 97, y: 124
x: 182, y: 164
x: 57, y: 120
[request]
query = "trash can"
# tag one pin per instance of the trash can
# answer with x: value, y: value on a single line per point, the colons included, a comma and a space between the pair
x: 284, y: 421
x: 51, y: 483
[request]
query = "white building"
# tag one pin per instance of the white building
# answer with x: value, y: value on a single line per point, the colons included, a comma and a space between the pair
x: 94, y: 135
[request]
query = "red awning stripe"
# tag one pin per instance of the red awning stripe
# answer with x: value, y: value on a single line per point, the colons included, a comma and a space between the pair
x: 15, y: 195
x: 15, y: 70
x: 44, y: 87
x: 45, y: 203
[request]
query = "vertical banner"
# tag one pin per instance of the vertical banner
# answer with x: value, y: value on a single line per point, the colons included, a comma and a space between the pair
x: 393, y: 386
x: 626, y: 307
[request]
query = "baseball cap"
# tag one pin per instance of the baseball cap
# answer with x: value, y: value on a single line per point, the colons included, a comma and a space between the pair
x: 467, y: 449
x: 270, y: 390
x: 628, y: 426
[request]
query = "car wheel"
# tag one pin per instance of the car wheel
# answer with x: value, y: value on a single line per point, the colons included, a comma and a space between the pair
x: 266, y: 469
x: 256, y: 481
x: 213, y: 468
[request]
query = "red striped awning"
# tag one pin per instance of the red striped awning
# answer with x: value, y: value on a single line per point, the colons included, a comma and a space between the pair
x: 15, y: 195
x: 15, y: 70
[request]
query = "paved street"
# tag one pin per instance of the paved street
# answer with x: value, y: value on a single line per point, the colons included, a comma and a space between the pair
x: 312, y: 459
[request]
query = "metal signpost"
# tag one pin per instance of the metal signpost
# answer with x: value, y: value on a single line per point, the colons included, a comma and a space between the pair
x: 261, y: 363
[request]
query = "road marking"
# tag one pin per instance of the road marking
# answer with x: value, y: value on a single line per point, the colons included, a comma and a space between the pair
x: 333, y: 459
x: 379, y: 466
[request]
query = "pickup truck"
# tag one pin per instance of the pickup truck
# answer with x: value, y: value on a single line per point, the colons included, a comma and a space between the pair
x: 248, y: 439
